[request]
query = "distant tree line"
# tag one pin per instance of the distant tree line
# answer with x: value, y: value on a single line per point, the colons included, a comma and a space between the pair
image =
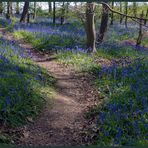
x: 109, y: 10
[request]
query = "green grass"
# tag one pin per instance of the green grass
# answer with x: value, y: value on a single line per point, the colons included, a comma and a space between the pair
x: 24, y: 87
x: 44, y: 42
x: 28, y: 37
x: 79, y: 61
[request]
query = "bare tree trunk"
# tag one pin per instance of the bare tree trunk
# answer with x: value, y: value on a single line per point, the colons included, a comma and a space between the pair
x: 67, y: 7
x: 104, y: 23
x: 25, y: 12
x: 135, y: 8
x: 34, y: 15
x: 126, y: 8
x: 28, y: 18
x: 139, y: 39
x: 112, y: 15
x: 63, y: 14
x: 49, y: 7
x: 146, y: 16
x: 17, y: 8
x: 1, y: 7
x: 75, y: 4
x: 121, y: 17
x: 90, y: 27
x: 9, y: 10
x: 54, y: 16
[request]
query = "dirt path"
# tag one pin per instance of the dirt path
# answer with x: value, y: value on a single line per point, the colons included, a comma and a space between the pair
x: 63, y: 124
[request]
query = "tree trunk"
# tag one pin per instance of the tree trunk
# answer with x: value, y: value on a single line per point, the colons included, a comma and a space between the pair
x: 104, y: 23
x: 75, y: 3
x: 1, y: 7
x: 121, y: 17
x: 135, y: 9
x: 126, y: 8
x: 49, y: 7
x: 90, y: 27
x: 34, y: 15
x: 146, y: 16
x: 17, y: 8
x: 63, y: 14
x: 67, y: 7
x: 9, y: 10
x: 25, y: 12
x: 54, y: 16
x: 112, y: 15
x: 139, y: 39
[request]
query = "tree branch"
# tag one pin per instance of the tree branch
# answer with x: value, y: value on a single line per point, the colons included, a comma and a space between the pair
x: 132, y: 17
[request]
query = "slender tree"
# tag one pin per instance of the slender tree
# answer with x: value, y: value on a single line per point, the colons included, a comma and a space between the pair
x: 9, y: 10
x: 112, y: 14
x: 67, y: 7
x: 90, y: 27
x: 63, y: 13
x: 121, y: 17
x: 126, y: 9
x: 25, y: 12
x: 104, y: 23
x: 75, y: 4
x: 146, y: 16
x: 34, y: 15
x: 54, y: 11
x: 49, y: 7
x: 135, y: 9
x: 139, y: 39
x: 1, y: 7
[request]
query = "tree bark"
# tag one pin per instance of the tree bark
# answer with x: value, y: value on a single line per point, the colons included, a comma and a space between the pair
x: 112, y: 14
x: 1, y: 7
x: 9, y: 10
x: 126, y: 8
x: 135, y: 8
x: 121, y: 17
x: 63, y: 14
x: 25, y: 12
x: 104, y: 23
x: 54, y: 16
x: 67, y: 7
x: 139, y: 39
x: 146, y: 17
x: 49, y: 7
x: 90, y: 27
x: 34, y: 15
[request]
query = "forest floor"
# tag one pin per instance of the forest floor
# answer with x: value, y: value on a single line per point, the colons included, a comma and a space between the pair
x: 64, y: 123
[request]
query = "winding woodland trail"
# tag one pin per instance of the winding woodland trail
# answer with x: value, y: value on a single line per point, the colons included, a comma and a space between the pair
x: 62, y: 124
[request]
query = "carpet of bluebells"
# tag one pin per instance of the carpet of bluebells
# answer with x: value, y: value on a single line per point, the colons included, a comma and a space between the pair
x: 123, y: 118
x: 123, y: 84
x: 21, y: 84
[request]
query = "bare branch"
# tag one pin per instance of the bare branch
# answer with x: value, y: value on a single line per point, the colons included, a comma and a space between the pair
x: 129, y: 16
x: 132, y: 17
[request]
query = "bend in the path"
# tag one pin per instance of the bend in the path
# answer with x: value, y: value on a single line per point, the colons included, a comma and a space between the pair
x: 64, y: 123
